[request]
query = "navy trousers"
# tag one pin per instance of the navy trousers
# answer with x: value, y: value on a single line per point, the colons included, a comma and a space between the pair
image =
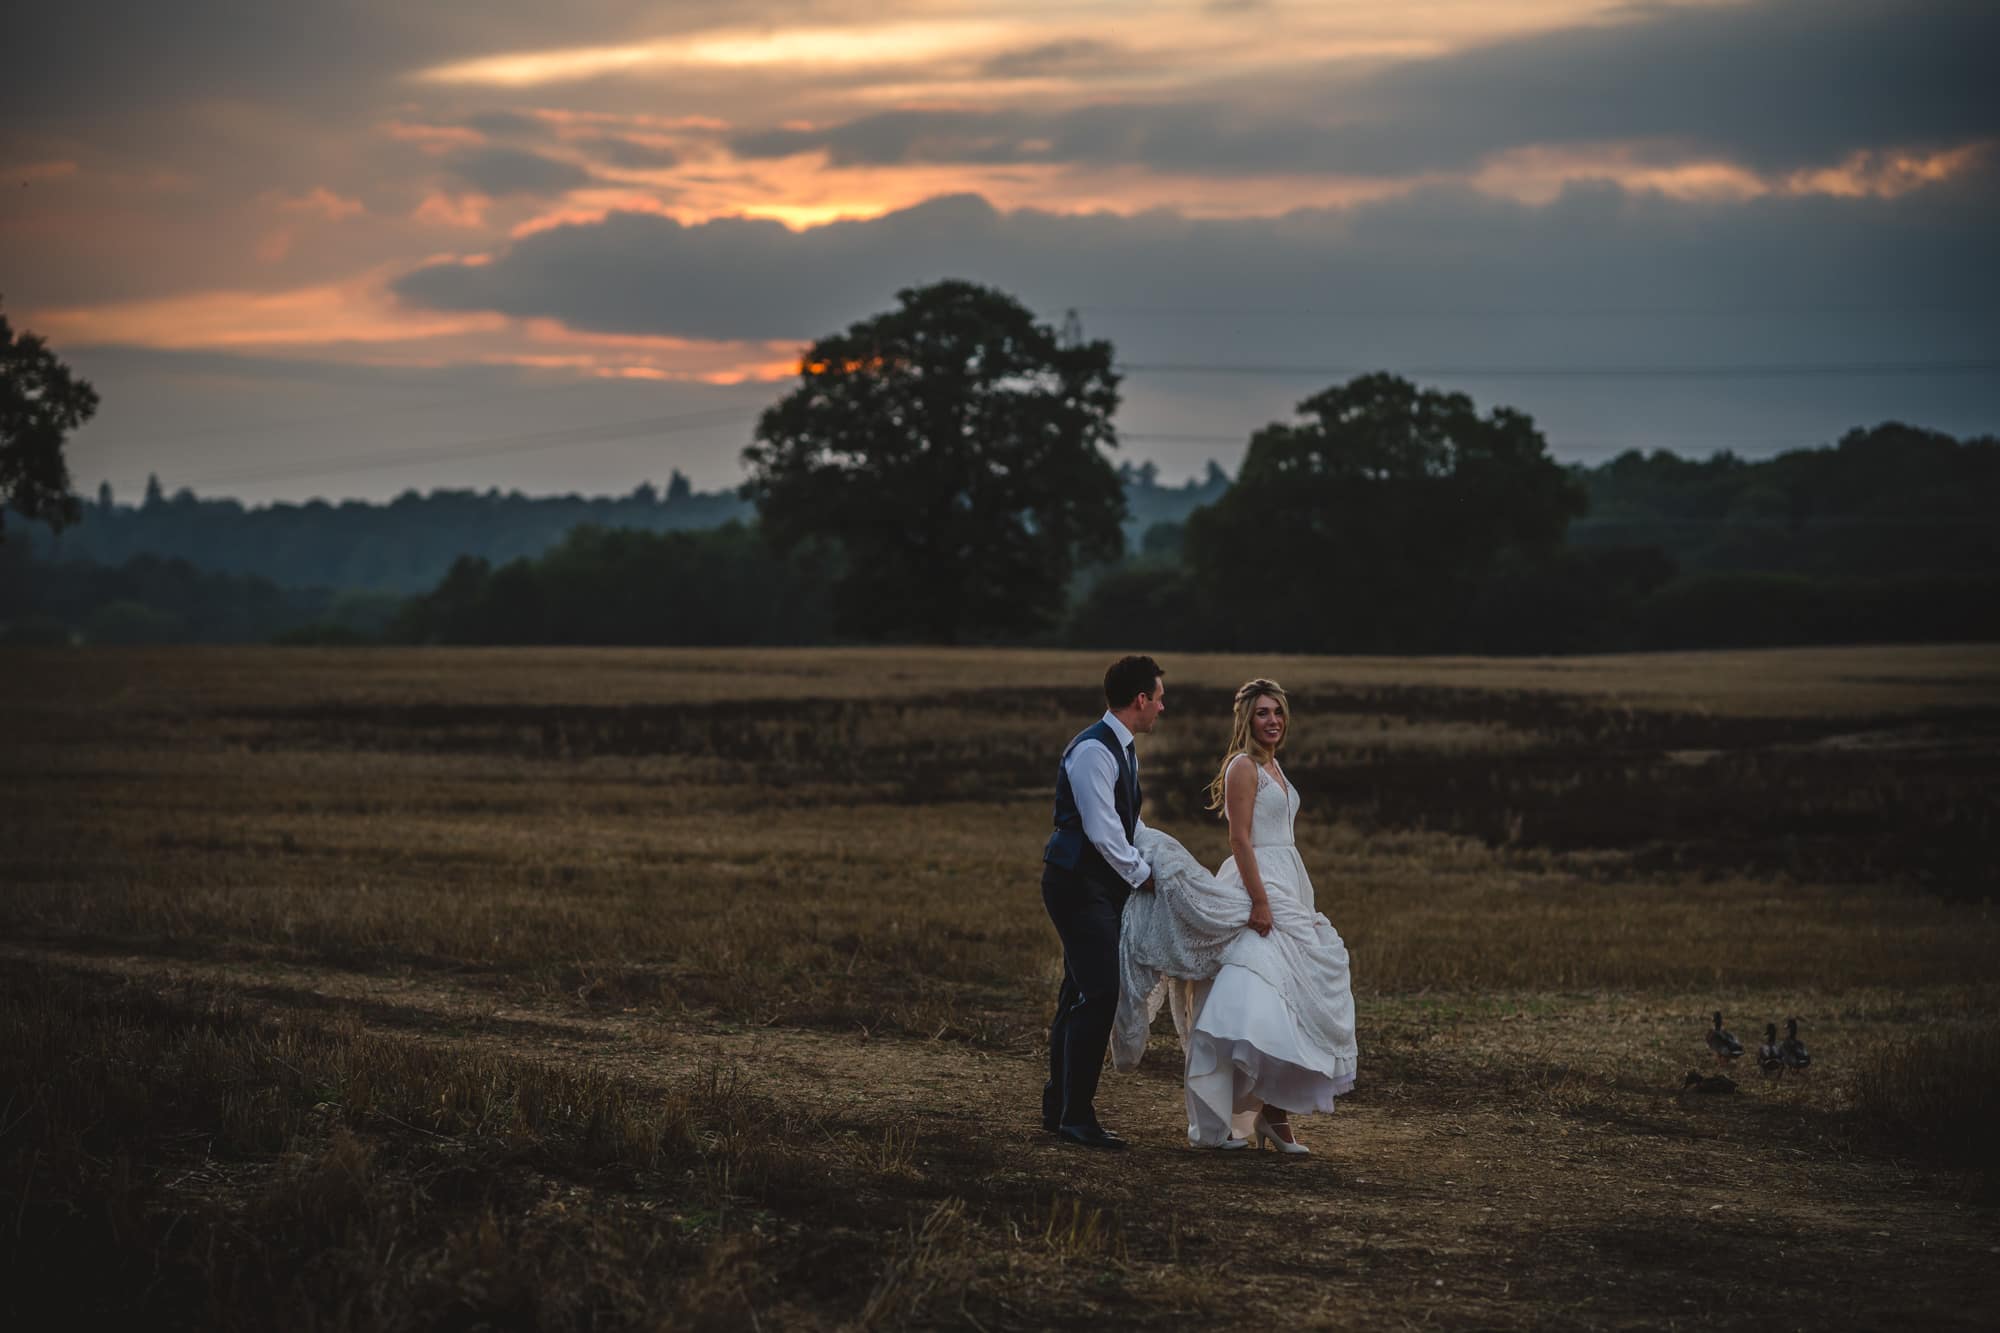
x: 1085, y: 914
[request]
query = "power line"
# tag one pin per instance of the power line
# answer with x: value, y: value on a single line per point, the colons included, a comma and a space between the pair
x: 606, y: 432
x: 609, y: 432
x: 1523, y: 312
x: 1686, y: 441
x: 1783, y: 370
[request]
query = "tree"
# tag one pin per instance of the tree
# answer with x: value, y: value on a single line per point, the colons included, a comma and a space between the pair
x: 1366, y: 525
x: 952, y: 450
x: 41, y: 402
x: 679, y: 488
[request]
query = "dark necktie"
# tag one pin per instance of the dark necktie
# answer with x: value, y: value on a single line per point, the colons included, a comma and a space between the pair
x: 1132, y: 762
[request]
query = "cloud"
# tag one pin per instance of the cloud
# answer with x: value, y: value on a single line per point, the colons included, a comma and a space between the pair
x: 1779, y: 86
x: 506, y: 125
x: 505, y: 171
x: 99, y: 57
x: 1413, y: 259
x: 633, y: 154
x: 1064, y: 57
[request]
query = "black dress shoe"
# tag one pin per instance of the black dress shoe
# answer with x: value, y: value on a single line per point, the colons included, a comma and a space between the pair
x: 1090, y: 1136
x: 1055, y: 1127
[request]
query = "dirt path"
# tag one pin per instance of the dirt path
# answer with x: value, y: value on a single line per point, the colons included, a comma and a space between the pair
x: 1437, y: 1197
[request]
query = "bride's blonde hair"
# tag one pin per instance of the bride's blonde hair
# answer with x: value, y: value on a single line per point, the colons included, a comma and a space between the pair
x: 1241, y: 739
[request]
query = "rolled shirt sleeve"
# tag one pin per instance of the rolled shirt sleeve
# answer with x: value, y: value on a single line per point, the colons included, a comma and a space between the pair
x: 1093, y: 780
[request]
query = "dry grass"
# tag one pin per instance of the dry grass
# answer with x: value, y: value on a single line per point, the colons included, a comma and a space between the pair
x: 604, y: 989
x: 1798, y: 682
x: 1938, y: 1093
x: 256, y: 1172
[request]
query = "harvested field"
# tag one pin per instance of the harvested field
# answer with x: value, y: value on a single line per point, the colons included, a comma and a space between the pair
x: 598, y: 989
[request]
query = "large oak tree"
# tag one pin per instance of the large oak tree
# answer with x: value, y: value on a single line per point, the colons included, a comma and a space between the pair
x: 41, y: 402
x: 1365, y: 525
x: 952, y: 450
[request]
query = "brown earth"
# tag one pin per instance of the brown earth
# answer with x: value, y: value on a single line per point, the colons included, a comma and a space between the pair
x: 1475, y: 1179
x: 701, y: 989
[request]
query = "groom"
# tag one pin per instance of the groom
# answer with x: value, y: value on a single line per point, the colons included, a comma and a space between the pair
x: 1088, y: 868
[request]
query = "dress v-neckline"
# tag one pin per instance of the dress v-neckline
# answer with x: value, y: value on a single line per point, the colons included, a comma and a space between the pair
x: 1277, y: 778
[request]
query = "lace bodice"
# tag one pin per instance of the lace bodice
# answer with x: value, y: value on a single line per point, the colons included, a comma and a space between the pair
x: 1271, y: 818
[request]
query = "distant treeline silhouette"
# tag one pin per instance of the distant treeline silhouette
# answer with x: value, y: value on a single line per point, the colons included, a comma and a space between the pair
x: 407, y: 545
x: 151, y: 599
x: 1886, y: 536
x: 622, y: 586
x: 403, y: 546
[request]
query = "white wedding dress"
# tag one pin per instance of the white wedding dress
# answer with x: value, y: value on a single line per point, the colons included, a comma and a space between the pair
x: 1263, y: 1019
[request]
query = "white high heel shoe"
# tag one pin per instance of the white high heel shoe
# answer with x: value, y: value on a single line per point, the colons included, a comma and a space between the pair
x: 1266, y: 1130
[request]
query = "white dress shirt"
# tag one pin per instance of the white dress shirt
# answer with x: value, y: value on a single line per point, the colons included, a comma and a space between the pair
x: 1093, y: 781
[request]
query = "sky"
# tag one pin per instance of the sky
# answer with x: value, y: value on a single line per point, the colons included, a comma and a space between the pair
x: 347, y: 248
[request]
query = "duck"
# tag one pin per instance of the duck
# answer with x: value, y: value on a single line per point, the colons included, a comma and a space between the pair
x: 1713, y: 1083
x: 1770, y: 1057
x: 1791, y: 1050
x: 1725, y: 1046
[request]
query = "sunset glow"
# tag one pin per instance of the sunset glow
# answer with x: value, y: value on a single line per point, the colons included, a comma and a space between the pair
x: 309, y: 316
x: 810, y: 48
x: 1886, y: 175
x: 487, y: 195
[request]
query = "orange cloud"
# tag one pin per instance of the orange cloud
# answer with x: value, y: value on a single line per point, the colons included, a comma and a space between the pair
x: 591, y: 206
x: 1888, y: 174
x: 1538, y: 174
x: 565, y: 119
x: 353, y: 312
x: 444, y: 210
x: 324, y: 202
x: 803, y: 192
x: 359, y: 323
x: 855, y: 46
x: 651, y: 356
x: 434, y: 138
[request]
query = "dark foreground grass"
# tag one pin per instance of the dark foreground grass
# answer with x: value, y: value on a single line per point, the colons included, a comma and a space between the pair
x: 1545, y: 894
x: 214, y: 1166
x: 1938, y: 1095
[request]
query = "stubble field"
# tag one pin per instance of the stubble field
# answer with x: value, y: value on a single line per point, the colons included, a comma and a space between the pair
x: 599, y: 989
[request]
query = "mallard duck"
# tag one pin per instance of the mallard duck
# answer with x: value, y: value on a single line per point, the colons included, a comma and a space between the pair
x: 1713, y: 1083
x: 1791, y: 1050
x: 1770, y: 1058
x: 1725, y: 1046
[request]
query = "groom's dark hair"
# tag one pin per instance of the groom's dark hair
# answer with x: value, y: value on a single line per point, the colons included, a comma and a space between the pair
x: 1128, y: 678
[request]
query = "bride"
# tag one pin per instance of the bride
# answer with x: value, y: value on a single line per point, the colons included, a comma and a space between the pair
x: 1256, y: 976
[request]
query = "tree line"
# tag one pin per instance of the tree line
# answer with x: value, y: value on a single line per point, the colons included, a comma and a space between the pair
x: 940, y: 472
x: 405, y: 546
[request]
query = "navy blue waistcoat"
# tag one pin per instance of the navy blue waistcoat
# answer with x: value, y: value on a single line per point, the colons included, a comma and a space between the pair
x: 1068, y: 847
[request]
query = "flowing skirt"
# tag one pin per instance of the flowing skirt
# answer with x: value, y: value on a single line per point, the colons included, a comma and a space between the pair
x: 1254, y: 1040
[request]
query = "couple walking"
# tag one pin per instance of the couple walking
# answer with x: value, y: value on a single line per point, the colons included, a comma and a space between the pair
x: 1255, y: 976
